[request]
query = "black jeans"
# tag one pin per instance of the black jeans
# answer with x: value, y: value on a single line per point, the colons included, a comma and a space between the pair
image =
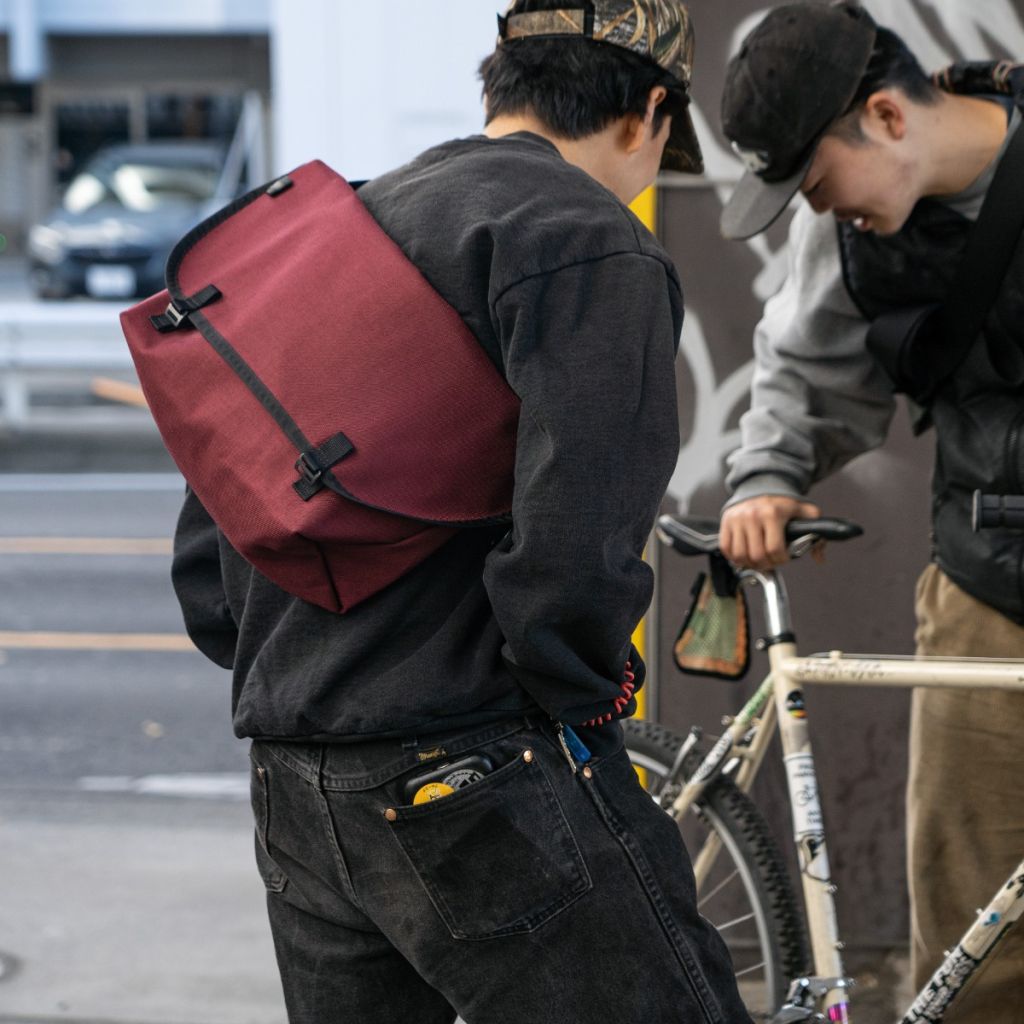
x: 536, y: 895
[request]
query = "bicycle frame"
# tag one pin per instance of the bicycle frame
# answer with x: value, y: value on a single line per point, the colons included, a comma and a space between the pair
x: 740, y: 750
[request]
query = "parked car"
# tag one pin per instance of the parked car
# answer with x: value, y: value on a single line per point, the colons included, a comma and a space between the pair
x: 120, y: 217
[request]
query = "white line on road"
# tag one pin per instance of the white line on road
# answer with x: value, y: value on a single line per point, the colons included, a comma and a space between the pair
x: 208, y: 786
x: 12, y: 483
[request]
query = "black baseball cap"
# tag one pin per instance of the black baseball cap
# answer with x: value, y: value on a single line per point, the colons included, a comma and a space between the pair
x: 795, y: 74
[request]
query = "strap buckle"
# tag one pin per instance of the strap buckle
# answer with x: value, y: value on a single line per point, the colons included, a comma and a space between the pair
x: 174, y: 315
x: 308, y: 468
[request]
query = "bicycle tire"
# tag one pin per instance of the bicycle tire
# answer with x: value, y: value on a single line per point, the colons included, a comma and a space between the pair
x: 773, y: 951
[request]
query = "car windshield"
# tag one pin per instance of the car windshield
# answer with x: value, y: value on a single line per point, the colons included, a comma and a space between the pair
x: 141, y: 186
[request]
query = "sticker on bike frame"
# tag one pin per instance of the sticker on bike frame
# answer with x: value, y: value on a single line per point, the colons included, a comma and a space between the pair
x: 711, y: 763
x: 795, y: 704
x: 931, y: 1005
x: 803, y: 794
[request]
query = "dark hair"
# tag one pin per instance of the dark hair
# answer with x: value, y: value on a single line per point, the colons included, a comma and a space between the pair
x: 575, y: 86
x: 892, y: 66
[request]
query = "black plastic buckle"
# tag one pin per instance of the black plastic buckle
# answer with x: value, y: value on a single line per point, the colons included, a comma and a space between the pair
x: 308, y: 468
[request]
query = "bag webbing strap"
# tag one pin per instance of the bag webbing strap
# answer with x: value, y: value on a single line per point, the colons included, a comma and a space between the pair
x: 920, y: 348
x: 990, y: 248
x: 313, y: 462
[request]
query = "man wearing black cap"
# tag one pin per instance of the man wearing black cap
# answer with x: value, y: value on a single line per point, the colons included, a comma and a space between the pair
x: 822, y: 101
x: 446, y: 818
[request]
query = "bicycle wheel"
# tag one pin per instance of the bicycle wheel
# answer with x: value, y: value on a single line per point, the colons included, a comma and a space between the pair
x: 747, y: 895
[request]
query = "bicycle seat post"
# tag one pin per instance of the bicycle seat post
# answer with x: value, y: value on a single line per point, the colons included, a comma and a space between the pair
x: 778, y: 621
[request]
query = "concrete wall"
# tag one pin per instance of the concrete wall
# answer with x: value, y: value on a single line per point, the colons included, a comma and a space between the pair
x: 365, y: 87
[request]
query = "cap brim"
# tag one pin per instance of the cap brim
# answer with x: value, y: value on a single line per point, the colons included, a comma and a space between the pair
x: 682, y: 151
x: 757, y: 204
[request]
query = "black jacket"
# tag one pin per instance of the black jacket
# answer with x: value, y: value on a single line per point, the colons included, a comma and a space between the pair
x: 581, y: 309
x: 978, y: 412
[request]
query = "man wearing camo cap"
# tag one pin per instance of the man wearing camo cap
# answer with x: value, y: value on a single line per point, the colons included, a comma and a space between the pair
x: 446, y: 819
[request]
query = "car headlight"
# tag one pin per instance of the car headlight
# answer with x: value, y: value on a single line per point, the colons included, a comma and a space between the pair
x: 45, y: 245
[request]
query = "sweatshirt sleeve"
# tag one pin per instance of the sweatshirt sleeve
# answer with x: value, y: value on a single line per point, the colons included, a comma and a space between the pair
x: 818, y: 397
x: 589, y: 349
x: 199, y: 586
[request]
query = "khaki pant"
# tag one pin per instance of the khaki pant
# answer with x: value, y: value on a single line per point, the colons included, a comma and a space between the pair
x: 965, y: 799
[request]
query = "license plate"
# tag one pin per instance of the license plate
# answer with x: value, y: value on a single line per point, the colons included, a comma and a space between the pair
x: 110, y: 282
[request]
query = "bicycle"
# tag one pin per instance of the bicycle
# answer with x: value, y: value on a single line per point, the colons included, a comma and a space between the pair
x: 787, y: 956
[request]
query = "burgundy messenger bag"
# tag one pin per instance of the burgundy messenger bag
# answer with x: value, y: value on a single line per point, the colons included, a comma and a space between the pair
x: 335, y: 416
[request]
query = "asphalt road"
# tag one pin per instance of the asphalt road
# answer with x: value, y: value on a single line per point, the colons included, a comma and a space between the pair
x: 127, y: 889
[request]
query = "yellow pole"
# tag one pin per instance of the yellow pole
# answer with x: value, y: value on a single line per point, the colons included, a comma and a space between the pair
x: 645, y: 206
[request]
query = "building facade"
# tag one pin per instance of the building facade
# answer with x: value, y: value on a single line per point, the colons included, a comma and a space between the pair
x: 78, y: 74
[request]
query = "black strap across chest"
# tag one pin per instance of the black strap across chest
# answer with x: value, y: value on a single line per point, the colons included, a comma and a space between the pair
x: 921, y: 347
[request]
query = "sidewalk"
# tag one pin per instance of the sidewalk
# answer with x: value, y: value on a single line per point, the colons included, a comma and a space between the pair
x: 133, y: 910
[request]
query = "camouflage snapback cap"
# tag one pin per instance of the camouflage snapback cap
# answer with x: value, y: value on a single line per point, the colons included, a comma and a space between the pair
x: 659, y: 30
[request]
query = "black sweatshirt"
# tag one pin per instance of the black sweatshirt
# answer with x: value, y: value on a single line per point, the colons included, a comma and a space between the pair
x: 581, y: 309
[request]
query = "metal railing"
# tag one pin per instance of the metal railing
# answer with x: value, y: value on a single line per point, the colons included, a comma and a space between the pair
x: 48, y: 349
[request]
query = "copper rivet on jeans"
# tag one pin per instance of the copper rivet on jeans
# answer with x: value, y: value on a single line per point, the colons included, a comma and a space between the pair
x: 527, y: 756
x: 261, y: 772
x: 391, y: 814
x: 587, y: 773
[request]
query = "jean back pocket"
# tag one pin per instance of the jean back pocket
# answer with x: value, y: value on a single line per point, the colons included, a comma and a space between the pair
x: 497, y: 857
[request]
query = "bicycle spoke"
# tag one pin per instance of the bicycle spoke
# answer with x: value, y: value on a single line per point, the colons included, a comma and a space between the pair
x: 735, y: 921
x: 750, y: 970
x: 717, y: 889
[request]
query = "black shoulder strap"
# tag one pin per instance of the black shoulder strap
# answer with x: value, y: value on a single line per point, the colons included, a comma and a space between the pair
x: 920, y: 348
x: 990, y: 247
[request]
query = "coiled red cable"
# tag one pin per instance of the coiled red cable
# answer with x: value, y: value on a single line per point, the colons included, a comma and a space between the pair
x: 626, y: 687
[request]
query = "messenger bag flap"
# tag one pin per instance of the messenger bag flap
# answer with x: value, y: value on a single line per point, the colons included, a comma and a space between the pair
x: 332, y: 412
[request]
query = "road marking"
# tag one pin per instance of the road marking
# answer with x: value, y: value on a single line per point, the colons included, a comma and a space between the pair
x: 96, y: 641
x: 31, y: 483
x: 204, y: 786
x: 85, y: 546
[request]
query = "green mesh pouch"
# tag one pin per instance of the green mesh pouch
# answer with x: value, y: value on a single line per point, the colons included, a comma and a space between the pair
x: 715, y: 638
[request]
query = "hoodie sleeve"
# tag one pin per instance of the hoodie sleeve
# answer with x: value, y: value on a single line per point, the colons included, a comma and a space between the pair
x: 199, y: 586
x: 818, y: 397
